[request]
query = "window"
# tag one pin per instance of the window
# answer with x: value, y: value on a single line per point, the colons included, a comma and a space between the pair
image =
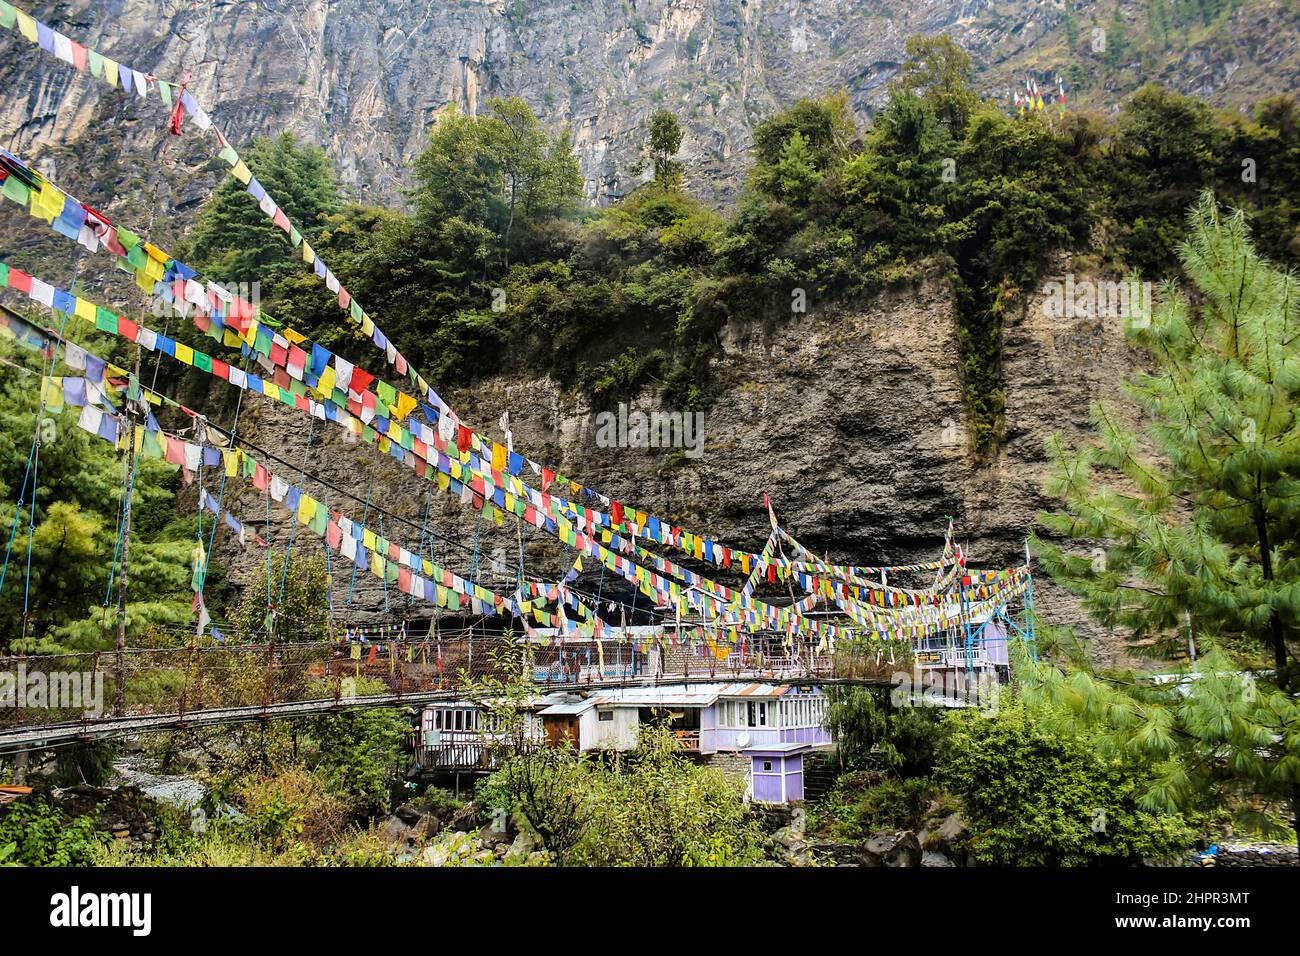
x: 605, y: 715
x: 767, y: 765
x: 757, y: 714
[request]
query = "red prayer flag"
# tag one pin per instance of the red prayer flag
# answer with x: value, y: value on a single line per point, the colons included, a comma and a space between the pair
x: 20, y: 280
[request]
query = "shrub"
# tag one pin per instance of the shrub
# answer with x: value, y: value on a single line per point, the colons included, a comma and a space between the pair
x: 1033, y: 797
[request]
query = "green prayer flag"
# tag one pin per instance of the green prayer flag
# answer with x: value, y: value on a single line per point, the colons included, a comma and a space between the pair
x: 8, y: 17
x: 96, y: 63
x: 203, y: 361
x: 4, y: 273
x: 137, y: 256
x: 16, y: 190
x: 294, y: 235
x: 105, y: 320
x: 165, y: 91
x: 356, y: 311
x: 229, y: 155
x: 128, y: 239
x: 151, y: 447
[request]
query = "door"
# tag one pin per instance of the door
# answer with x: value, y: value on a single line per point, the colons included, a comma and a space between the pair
x: 560, y: 728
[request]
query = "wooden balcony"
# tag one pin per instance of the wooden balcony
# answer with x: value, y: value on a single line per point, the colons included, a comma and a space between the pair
x: 688, y: 740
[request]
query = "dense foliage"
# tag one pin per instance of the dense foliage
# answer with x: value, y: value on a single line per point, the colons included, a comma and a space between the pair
x: 70, y: 600
x: 1034, y: 797
x: 653, y: 807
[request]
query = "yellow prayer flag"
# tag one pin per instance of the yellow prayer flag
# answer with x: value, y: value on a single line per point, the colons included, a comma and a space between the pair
x: 110, y: 71
x: 405, y: 405
x: 241, y: 172
x: 367, y: 324
x: 85, y: 310
x: 307, y: 254
x: 47, y: 203
x: 26, y: 26
x: 297, y: 338
x: 231, y: 461
x: 184, y: 354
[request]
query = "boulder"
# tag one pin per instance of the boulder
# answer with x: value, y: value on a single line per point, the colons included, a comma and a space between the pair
x: 408, y: 814
x: 789, y: 838
x: 426, y: 826
x: 525, y: 843
x: 894, y: 849
x: 952, y: 833
x: 395, y: 833
x: 930, y: 858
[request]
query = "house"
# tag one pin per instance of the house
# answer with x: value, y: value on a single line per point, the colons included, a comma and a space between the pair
x: 759, y: 729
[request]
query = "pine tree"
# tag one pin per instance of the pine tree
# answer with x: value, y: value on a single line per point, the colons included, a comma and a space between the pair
x: 233, y: 241
x: 1208, y: 524
x: 1197, y: 517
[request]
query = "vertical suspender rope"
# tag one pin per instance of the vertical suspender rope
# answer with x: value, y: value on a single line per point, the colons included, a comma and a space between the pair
x: 268, y: 545
x: 365, y: 516
x: 120, y: 522
x: 36, y: 463
x: 221, y: 496
x: 424, y: 524
x: 293, y: 526
x: 384, y: 577
x: 13, y: 529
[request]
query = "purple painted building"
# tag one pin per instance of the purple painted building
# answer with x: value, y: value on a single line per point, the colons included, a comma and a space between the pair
x: 776, y: 774
x: 772, y: 725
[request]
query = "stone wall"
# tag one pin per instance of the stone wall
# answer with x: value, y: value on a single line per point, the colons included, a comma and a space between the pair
x: 1256, y: 854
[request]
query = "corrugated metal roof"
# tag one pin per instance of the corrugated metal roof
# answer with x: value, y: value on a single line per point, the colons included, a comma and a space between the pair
x: 574, y: 707
x: 667, y: 695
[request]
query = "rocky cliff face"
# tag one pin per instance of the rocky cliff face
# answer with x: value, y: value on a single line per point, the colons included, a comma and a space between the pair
x: 852, y: 421
x: 367, y: 78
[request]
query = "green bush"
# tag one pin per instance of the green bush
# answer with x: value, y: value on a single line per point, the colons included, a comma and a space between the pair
x: 864, y: 802
x: 1033, y: 797
x: 42, y: 834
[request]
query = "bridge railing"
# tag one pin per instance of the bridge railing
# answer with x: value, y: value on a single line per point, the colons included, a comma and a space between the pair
x: 82, y: 687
